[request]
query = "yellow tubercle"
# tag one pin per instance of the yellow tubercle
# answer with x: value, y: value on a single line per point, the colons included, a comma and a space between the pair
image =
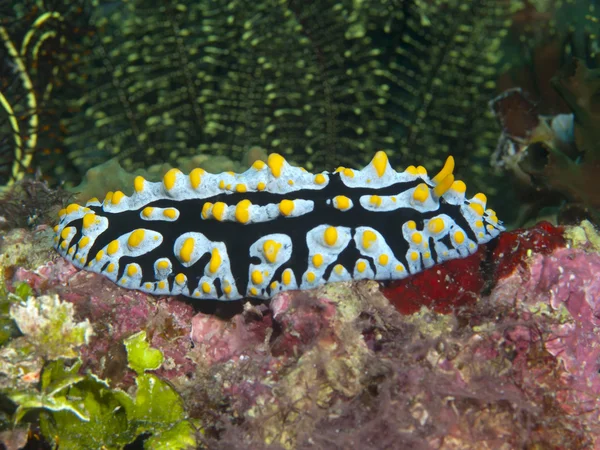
x: 136, y: 238
x: 421, y: 193
x: 215, y: 261
x: 417, y: 238
x: 459, y: 186
x: 436, y: 225
x: 383, y: 259
x: 317, y: 260
x: 270, y: 250
x: 320, y: 178
x: 218, y: 210
x: 170, y: 178
x: 117, y: 197
x: 206, y: 208
x: 361, y: 266
x: 185, y: 254
x: 342, y: 202
x: 330, y: 236
x: 131, y: 270
x: 477, y: 208
x: 206, y: 288
x: 83, y: 242
x: 481, y: 197
x: 446, y: 170
x: 276, y: 163
x: 112, y: 248
x: 241, y: 188
x: 180, y: 278
x: 380, y: 162
x: 311, y: 277
x: 170, y: 213
x: 286, y: 207
x: 138, y: 184
x: 242, y: 211
x: 375, y: 200
x: 88, y: 220
x: 258, y: 165
x: 196, y: 177
x: 459, y: 237
x: 73, y: 207
x: 348, y: 173
x: 257, y: 277
x: 368, y: 239
x: 261, y: 186
x: 286, y: 277
x: 444, y: 186
x: 163, y: 265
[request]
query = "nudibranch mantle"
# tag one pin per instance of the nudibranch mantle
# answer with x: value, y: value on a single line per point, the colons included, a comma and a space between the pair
x: 275, y: 227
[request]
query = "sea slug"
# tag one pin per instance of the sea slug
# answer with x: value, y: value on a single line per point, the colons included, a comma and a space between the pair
x: 274, y: 228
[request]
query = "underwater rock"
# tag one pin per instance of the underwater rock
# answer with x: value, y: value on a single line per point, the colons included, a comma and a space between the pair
x: 516, y: 365
x: 564, y: 286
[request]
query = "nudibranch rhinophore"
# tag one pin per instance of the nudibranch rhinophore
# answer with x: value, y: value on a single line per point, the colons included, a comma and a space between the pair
x: 274, y: 228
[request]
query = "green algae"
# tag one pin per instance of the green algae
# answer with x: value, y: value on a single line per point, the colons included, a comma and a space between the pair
x: 48, y: 325
x: 141, y: 356
x: 584, y: 236
x: 78, y: 409
x: 8, y: 327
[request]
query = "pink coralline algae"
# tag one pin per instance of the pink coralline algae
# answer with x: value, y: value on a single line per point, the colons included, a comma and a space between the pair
x: 499, y: 350
x: 566, y: 285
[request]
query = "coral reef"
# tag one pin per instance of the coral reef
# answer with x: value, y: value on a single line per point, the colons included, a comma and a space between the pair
x: 500, y: 352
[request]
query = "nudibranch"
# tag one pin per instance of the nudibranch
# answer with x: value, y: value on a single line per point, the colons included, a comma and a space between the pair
x: 274, y: 228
